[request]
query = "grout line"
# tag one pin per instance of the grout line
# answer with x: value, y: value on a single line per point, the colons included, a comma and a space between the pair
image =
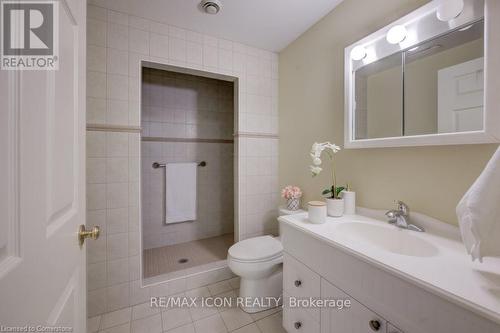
x: 253, y: 322
x: 223, y: 322
x: 161, y: 319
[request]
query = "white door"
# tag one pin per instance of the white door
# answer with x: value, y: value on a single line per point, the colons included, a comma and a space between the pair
x: 42, y: 192
x: 461, y: 97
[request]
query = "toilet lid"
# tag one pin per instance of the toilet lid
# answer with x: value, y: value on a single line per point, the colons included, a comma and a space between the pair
x: 256, y: 248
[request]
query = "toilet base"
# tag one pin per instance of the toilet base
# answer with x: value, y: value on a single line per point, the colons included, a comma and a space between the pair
x: 267, y: 292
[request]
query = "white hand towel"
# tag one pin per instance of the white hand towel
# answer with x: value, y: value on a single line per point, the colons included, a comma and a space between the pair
x: 181, y: 192
x: 479, y: 213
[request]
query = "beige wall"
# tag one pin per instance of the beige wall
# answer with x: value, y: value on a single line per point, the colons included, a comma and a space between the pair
x: 430, y: 179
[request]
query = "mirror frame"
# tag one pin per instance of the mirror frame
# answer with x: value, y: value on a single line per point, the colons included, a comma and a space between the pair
x: 424, y: 21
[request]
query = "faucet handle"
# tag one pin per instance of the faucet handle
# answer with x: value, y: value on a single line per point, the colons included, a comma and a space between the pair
x: 402, y: 207
x: 392, y: 215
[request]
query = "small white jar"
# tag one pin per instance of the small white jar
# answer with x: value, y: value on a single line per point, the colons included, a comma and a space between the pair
x: 316, y: 211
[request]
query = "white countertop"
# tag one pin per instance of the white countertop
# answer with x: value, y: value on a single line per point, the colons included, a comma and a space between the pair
x: 444, y: 268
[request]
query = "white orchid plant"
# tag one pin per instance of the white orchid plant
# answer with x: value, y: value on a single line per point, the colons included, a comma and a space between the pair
x: 331, y: 149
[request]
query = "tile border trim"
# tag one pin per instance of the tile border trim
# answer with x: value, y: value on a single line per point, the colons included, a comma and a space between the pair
x: 113, y: 128
x: 255, y: 135
x: 188, y: 140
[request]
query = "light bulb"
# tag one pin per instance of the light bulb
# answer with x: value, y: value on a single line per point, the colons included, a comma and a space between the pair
x: 396, y: 34
x: 358, y: 53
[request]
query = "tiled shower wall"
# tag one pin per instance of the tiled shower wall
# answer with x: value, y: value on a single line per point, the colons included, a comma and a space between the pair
x: 183, y: 107
x: 117, y: 43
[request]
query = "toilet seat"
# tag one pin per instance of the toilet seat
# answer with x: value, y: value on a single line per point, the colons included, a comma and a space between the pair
x: 257, y: 249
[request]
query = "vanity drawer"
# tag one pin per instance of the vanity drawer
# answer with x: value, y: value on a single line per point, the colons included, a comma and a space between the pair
x: 298, y: 279
x: 355, y: 319
x: 299, y: 320
x: 301, y: 282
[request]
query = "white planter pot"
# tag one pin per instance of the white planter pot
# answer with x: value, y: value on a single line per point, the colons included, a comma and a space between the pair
x: 335, y: 207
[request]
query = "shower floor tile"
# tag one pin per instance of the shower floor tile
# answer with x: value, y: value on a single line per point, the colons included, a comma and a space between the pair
x: 172, y: 258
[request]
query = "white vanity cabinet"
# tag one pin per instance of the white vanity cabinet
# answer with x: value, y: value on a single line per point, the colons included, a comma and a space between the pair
x: 355, y: 319
x: 382, y: 299
x: 301, y: 282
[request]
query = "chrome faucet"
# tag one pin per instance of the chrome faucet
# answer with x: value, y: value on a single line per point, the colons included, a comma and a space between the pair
x: 400, y: 217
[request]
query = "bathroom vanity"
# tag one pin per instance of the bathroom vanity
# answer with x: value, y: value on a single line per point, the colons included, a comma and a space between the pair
x: 396, y: 280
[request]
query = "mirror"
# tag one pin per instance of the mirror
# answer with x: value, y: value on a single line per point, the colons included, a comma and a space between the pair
x: 426, y: 79
x: 444, y: 83
x: 433, y: 87
x: 379, y: 98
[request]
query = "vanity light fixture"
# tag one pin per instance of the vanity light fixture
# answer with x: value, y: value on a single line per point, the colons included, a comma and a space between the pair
x: 415, y: 52
x: 396, y: 34
x: 358, y: 53
x: 449, y: 9
x: 466, y: 28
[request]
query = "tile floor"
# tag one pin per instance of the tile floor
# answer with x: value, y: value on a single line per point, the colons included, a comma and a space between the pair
x: 164, y: 260
x: 144, y: 319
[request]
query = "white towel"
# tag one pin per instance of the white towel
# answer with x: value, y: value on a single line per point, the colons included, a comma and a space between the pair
x: 181, y: 192
x: 479, y: 213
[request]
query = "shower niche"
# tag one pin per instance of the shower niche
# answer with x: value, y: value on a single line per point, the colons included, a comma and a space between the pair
x: 187, y: 176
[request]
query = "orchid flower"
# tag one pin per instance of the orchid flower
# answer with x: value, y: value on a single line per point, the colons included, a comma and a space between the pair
x: 315, y: 170
x: 316, y: 151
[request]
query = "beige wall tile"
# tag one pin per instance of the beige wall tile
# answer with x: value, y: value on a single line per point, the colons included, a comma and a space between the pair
x: 117, y: 43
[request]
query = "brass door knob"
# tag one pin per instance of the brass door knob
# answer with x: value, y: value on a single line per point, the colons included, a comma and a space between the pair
x: 84, y: 233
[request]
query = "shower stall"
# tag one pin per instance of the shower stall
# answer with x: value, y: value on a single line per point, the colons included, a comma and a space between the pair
x: 187, y: 159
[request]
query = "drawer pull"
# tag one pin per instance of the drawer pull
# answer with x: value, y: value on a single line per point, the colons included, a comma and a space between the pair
x: 297, y: 325
x: 297, y: 283
x: 375, y: 325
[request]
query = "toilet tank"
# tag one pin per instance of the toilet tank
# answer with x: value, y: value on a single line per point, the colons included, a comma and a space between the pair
x: 283, y: 211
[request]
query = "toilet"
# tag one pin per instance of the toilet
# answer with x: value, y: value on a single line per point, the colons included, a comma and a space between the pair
x: 258, y: 261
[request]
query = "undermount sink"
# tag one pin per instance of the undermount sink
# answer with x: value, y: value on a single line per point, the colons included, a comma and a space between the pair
x: 388, y: 238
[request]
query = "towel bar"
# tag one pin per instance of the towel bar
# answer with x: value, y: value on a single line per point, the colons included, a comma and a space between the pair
x: 157, y: 165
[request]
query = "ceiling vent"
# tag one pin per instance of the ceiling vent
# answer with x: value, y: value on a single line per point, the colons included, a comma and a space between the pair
x: 211, y: 6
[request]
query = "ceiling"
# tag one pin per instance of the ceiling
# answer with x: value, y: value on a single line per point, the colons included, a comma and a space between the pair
x: 266, y: 24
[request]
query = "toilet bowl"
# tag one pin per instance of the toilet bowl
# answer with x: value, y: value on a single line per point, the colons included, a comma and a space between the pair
x: 258, y: 261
